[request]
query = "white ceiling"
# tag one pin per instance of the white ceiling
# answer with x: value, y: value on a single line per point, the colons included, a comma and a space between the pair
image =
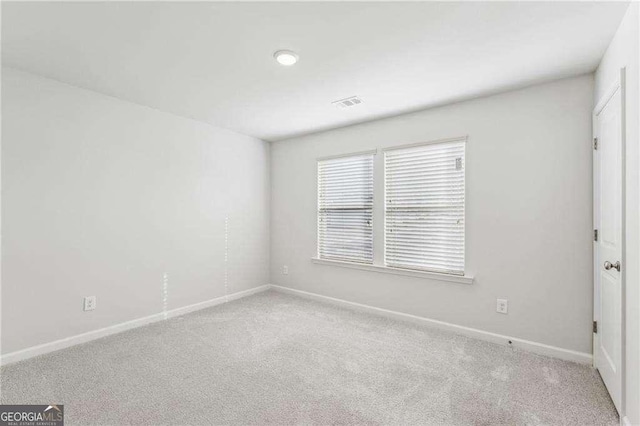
x: 213, y: 61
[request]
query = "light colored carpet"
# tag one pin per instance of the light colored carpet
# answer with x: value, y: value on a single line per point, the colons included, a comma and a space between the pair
x: 278, y: 359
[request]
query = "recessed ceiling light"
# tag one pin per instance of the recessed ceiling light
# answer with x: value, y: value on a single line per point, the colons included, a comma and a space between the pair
x: 286, y: 57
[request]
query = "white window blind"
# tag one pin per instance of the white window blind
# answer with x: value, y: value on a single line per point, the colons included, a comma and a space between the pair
x: 345, y: 208
x: 424, y: 207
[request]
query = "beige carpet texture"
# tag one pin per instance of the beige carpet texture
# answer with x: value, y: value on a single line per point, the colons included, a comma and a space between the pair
x: 274, y: 358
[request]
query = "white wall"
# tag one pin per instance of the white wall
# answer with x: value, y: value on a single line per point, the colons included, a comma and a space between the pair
x: 101, y: 197
x: 623, y: 52
x: 528, y: 214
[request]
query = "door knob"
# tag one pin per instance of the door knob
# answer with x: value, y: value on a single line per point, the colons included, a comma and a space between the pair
x: 608, y: 265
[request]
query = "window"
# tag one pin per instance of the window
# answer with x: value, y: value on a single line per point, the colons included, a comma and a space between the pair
x: 345, y: 209
x: 424, y: 207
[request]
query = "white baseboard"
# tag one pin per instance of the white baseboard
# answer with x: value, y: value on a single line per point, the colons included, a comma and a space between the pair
x: 539, y: 348
x: 625, y: 421
x: 124, y: 326
x: 535, y: 347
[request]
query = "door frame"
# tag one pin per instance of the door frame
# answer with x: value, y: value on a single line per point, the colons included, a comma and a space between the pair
x: 618, y: 84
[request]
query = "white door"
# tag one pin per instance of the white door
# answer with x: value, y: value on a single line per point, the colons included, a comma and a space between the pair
x: 608, y: 217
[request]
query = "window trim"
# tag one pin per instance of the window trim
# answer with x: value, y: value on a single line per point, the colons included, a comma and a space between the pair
x: 348, y: 154
x: 463, y: 138
x: 438, y: 276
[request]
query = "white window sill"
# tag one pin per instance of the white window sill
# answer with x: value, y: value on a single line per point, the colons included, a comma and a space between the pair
x: 462, y: 279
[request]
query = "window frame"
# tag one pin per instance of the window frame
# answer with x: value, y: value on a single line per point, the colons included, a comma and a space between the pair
x: 372, y: 154
x: 379, y: 243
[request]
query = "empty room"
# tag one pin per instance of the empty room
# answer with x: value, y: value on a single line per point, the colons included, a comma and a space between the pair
x: 319, y: 213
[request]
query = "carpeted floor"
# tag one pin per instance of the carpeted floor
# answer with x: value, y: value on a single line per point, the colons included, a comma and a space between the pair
x: 278, y: 359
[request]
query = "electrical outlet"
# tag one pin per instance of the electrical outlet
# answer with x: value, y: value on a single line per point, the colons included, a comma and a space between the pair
x: 285, y: 270
x: 89, y: 303
x: 502, y: 306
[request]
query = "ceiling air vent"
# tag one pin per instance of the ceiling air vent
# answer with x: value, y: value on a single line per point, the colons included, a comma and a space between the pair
x: 348, y: 102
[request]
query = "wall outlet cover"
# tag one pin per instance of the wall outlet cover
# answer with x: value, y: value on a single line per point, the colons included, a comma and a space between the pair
x: 502, y: 306
x: 89, y: 303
